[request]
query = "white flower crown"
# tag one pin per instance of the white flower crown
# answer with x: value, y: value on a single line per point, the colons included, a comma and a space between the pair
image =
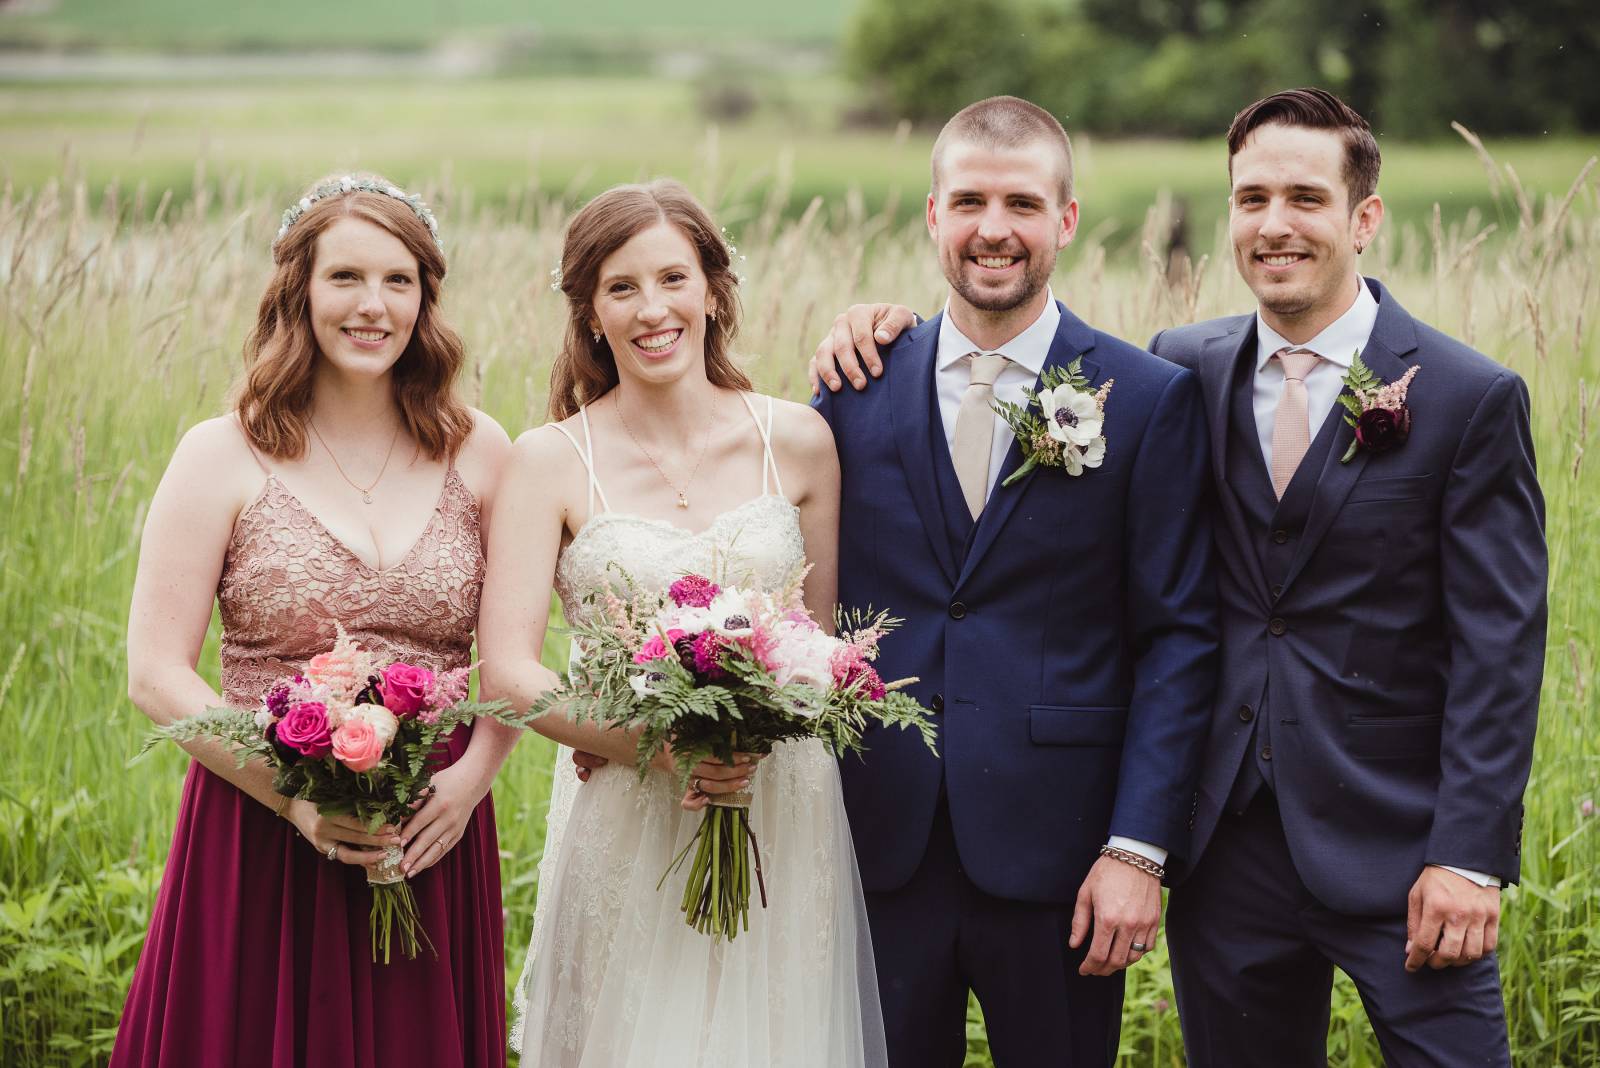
x: 335, y: 187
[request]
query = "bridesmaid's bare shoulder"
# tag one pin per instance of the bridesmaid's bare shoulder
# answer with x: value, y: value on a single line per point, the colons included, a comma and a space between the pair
x: 482, y: 458
x: 214, y: 468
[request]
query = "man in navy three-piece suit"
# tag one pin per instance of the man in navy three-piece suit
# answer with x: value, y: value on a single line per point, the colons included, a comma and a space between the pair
x: 1063, y: 629
x: 1383, y: 632
x: 1382, y: 597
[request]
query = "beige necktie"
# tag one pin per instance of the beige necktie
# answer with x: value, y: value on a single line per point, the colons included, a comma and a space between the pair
x: 1291, y: 423
x: 975, y: 429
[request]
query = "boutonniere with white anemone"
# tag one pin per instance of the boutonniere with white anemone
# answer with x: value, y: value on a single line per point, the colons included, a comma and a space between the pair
x: 1376, y: 410
x: 1061, y: 425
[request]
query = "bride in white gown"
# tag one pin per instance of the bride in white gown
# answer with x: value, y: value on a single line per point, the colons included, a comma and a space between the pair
x: 663, y: 463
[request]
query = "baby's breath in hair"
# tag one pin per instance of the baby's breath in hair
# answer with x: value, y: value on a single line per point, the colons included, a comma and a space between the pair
x: 354, y: 183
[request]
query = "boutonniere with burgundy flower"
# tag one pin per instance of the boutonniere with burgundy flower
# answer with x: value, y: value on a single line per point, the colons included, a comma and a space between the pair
x: 1376, y: 410
x: 1061, y: 425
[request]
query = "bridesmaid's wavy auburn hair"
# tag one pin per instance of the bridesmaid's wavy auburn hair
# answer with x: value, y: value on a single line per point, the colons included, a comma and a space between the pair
x: 273, y: 398
x: 585, y: 369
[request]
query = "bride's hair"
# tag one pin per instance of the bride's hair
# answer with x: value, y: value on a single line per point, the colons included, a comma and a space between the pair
x: 585, y: 368
x: 274, y: 396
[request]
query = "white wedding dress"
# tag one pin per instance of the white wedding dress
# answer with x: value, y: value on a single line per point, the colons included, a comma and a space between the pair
x: 614, y: 977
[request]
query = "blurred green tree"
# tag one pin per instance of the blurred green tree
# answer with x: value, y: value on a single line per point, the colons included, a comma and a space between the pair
x: 1183, y: 67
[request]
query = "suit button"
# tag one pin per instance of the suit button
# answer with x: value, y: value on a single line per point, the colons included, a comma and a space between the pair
x: 1277, y: 591
x: 937, y: 704
x: 1245, y: 714
x: 1266, y: 752
x: 1280, y: 536
x: 958, y: 610
x: 1277, y: 626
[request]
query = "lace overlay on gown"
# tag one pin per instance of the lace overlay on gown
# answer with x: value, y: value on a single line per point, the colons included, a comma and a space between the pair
x: 614, y: 976
x: 286, y: 578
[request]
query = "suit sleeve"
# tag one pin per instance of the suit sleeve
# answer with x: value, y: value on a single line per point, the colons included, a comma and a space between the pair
x: 1493, y: 572
x: 1172, y: 621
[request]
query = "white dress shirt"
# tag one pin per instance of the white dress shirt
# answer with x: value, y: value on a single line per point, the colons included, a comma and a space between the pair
x: 1026, y: 354
x: 1338, y: 343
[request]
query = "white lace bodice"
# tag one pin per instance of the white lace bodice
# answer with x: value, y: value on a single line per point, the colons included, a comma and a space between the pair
x: 757, y: 542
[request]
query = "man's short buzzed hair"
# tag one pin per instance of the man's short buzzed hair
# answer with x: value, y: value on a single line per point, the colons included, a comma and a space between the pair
x: 1316, y: 109
x: 1006, y: 122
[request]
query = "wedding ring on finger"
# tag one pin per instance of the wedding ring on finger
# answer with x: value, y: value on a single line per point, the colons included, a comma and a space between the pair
x: 333, y: 851
x: 1138, y: 947
x: 695, y: 786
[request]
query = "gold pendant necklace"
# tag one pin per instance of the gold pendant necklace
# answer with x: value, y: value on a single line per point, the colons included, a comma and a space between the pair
x: 365, y: 491
x: 683, y: 494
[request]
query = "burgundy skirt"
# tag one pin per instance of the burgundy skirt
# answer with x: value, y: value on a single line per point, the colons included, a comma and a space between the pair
x: 259, y: 952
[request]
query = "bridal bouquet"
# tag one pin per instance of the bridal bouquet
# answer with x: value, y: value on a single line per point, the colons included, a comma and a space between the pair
x: 711, y: 671
x: 353, y: 737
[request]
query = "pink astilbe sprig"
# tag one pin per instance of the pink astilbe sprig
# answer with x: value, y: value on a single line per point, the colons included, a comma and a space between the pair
x: 449, y: 688
x: 1391, y: 396
x: 341, y: 672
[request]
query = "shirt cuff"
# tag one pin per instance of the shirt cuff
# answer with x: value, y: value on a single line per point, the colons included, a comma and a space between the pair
x: 1481, y: 878
x: 1144, y: 849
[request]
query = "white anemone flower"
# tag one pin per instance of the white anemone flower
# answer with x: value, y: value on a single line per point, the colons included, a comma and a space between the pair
x: 732, y: 614
x: 642, y: 683
x: 1094, y: 453
x: 1072, y: 416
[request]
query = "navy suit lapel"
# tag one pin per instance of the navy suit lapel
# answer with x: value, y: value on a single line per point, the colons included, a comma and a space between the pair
x: 1393, y: 336
x: 911, y: 413
x: 1073, y: 339
x: 1220, y: 357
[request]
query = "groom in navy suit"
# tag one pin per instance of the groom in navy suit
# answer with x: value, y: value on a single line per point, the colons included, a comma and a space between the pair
x: 1062, y: 627
x: 1383, y: 627
x: 1383, y: 632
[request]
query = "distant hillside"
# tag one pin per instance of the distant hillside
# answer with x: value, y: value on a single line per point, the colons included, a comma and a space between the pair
x: 356, y: 24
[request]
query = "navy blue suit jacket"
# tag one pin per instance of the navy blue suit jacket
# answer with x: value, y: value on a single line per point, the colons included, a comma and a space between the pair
x: 1402, y: 653
x: 1067, y: 644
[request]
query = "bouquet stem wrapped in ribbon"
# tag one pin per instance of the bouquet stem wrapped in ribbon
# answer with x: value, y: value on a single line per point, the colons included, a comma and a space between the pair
x: 353, y: 737
x: 712, y: 671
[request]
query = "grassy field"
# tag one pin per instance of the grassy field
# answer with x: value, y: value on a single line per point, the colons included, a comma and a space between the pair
x: 501, y: 145
x: 406, y: 23
x: 118, y: 330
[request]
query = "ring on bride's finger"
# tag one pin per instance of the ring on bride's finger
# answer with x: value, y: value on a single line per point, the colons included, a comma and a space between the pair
x: 1138, y: 947
x: 695, y: 786
x: 333, y: 851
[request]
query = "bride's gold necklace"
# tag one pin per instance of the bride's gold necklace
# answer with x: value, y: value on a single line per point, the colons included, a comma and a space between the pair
x: 365, y: 491
x: 683, y: 493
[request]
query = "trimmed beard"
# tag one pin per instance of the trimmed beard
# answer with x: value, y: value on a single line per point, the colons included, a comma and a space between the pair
x: 1035, y: 276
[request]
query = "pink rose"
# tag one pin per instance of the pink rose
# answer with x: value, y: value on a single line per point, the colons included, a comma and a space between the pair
x: 405, y: 688
x: 357, y: 744
x: 657, y: 648
x: 305, y: 727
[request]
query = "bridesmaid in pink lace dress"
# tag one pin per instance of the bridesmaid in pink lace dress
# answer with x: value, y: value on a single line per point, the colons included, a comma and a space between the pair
x: 351, y: 487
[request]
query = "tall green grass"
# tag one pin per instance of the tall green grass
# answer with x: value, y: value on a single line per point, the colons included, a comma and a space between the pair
x: 120, y: 327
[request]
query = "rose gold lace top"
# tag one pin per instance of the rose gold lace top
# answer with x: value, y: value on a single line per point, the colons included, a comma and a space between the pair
x: 286, y: 579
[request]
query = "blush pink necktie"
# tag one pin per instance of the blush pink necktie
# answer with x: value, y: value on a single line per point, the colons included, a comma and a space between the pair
x: 974, y: 436
x: 1291, y: 423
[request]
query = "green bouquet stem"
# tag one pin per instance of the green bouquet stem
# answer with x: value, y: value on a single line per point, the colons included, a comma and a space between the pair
x: 394, y: 906
x: 716, y: 896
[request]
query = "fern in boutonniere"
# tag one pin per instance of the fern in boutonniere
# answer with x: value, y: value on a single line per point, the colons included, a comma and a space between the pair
x: 1376, y: 410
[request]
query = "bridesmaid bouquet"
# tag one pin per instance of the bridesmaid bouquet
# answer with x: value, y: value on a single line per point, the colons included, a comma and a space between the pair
x: 711, y: 671
x: 353, y: 737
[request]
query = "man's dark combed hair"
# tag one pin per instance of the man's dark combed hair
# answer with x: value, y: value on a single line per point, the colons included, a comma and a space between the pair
x: 1317, y: 109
